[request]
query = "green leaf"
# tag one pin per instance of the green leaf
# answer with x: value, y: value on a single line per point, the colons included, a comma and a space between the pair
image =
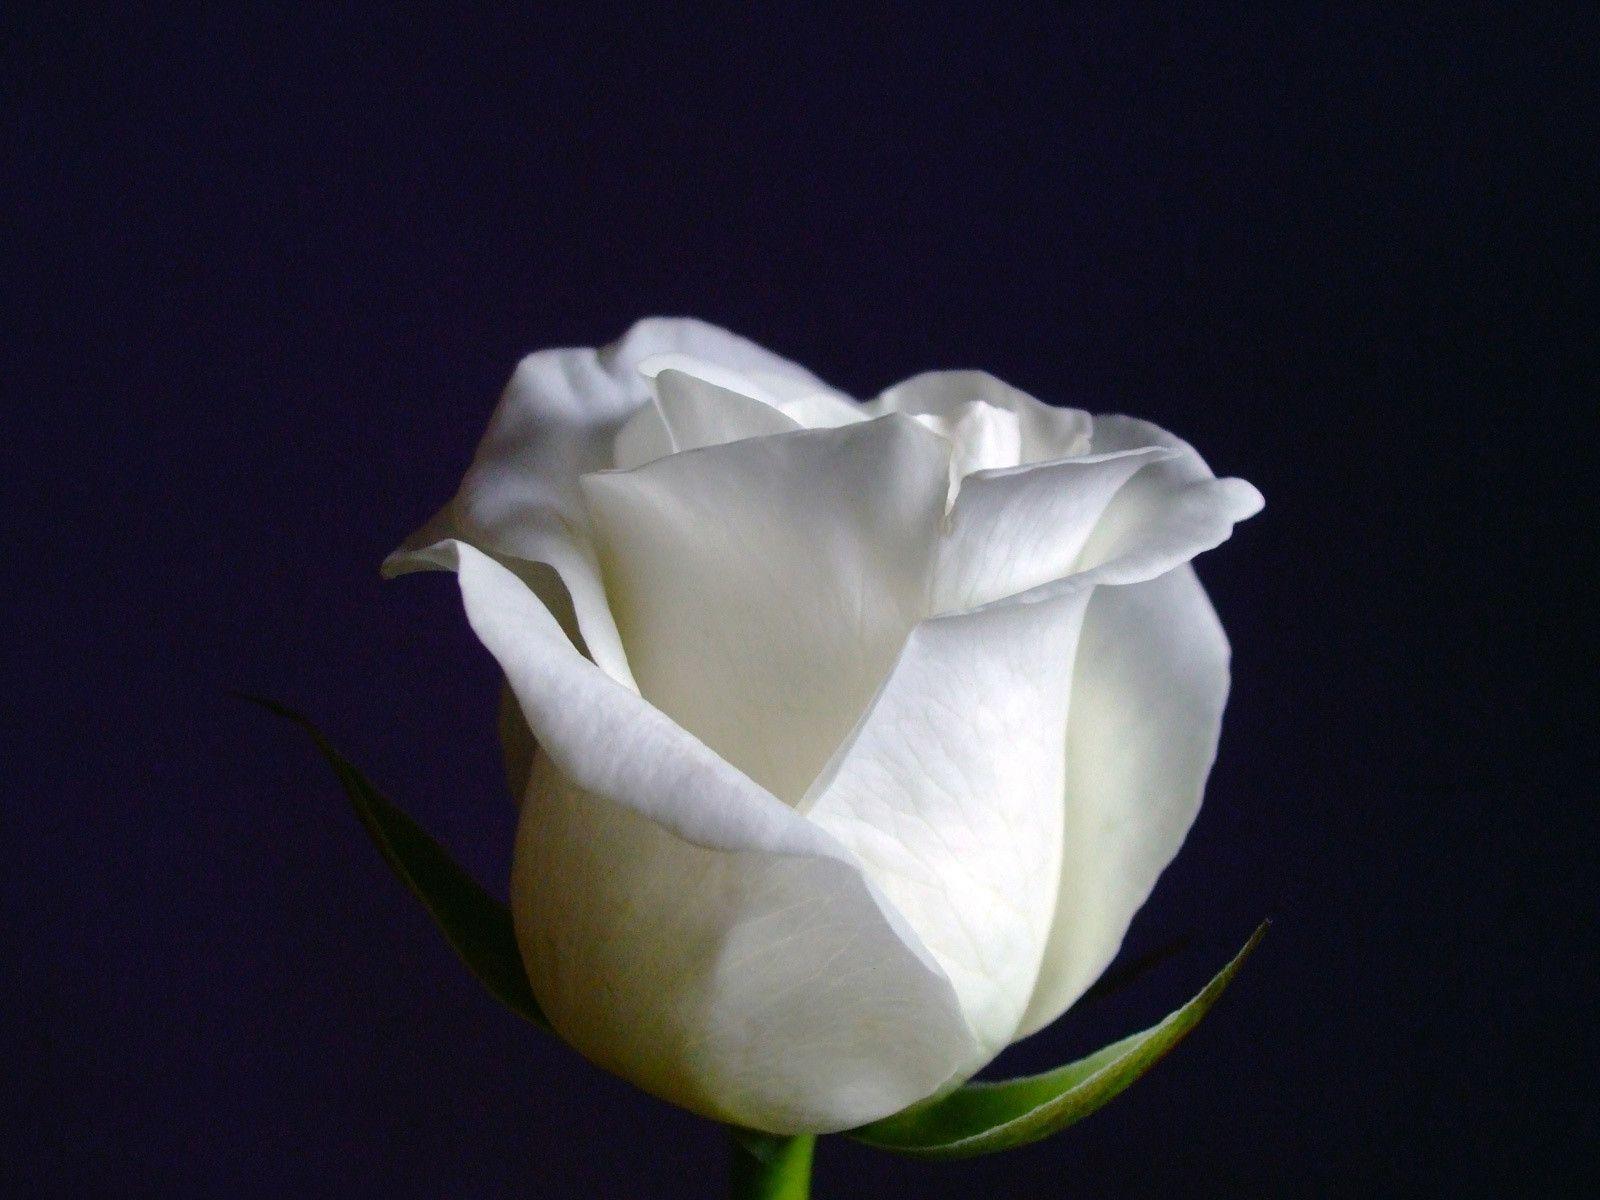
x: 477, y: 926
x: 983, y: 1118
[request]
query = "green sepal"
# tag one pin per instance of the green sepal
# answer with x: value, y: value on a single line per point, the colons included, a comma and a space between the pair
x: 477, y: 926
x: 984, y: 1118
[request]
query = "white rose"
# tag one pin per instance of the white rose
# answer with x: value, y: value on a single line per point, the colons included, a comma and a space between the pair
x: 863, y: 729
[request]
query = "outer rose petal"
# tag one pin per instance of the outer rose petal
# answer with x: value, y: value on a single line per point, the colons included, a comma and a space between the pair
x: 909, y: 783
x: 685, y: 928
x: 764, y: 587
x: 1147, y: 698
x: 950, y: 793
x: 557, y: 419
x: 1166, y: 514
x: 1015, y: 529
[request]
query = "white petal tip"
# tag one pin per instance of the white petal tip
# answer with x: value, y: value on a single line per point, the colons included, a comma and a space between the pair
x: 1246, y: 498
x: 435, y: 556
x: 657, y: 363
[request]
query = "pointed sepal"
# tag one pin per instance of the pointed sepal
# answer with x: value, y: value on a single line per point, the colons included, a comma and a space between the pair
x: 984, y: 1118
x: 477, y: 926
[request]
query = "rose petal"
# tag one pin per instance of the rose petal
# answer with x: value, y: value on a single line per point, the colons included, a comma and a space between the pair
x: 691, y: 412
x: 1167, y: 513
x: 1012, y: 530
x: 1147, y: 698
x: 983, y: 437
x: 950, y: 790
x: 824, y: 411
x: 703, y: 404
x: 762, y: 990
x: 557, y: 419
x: 763, y: 587
x: 686, y: 929
x: 1048, y: 432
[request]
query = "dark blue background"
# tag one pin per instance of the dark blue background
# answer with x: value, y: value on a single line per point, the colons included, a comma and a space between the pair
x: 264, y: 276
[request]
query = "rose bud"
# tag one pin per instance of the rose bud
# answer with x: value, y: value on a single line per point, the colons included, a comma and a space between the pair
x: 848, y: 737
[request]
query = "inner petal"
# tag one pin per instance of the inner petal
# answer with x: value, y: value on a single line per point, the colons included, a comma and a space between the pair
x: 1048, y: 432
x: 689, y: 411
x: 983, y: 436
x: 763, y: 587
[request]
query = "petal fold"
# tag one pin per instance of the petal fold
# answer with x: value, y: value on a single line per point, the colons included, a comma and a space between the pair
x: 691, y: 412
x: 764, y: 587
x: 683, y: 927
x: 764, y: 990
x: 949, y: 792
x: 1166, y: 514
x: 1013, y: 530
x: 557, y: 419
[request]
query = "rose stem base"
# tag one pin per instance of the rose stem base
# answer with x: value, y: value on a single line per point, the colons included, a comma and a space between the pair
x: 768, y: 1167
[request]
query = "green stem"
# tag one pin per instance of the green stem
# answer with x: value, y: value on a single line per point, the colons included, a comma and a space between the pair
x: 769, y: 1167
